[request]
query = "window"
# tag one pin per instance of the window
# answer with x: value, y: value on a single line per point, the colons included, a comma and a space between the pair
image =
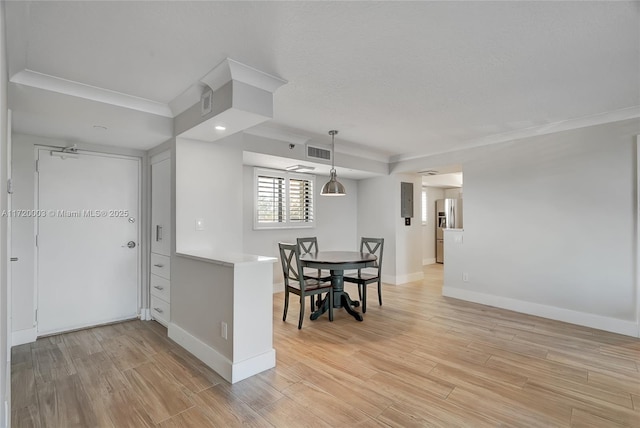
x: 283, y: 199
x: 424, y: 205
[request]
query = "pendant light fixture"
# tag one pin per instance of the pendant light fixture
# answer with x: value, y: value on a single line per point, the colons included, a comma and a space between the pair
x: 333, y: 187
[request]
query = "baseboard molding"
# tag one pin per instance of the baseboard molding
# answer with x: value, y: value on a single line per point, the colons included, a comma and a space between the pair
x: 145, y: 314
x: 231, y: 372
x: 402, y: 279
x: 628, y: 328
x: 253, y: 365
x: 21, y: 337
x: 205, y: 353
x: 428, y: 261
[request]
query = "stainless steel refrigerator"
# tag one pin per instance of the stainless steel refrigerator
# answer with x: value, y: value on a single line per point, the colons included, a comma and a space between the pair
x: 448, y: 216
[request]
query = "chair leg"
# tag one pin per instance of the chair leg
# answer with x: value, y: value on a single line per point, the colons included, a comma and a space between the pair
x: 360, y: 291
x: 286, y: 304
x: 380, y: 292
x: 364, y: 297
x: 330, y: 305
x: 301, y: 311
x: 312, y: 303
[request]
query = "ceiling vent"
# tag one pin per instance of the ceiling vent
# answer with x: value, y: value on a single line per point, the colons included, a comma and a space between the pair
x: 316, y: 152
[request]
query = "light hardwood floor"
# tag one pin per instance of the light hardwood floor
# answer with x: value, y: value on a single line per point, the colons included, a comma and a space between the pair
x: 419, y: 360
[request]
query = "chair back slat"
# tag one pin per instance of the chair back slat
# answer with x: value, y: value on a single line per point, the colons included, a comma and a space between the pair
x: 373, y: 246
x: 291, y: 266
x: 308, y: 245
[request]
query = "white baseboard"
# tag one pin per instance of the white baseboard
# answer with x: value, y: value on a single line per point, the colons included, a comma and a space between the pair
x: 231, y: 372
x: 21, y: 337
x: 628, y: 328
x: 253, y: 365
x: 428, y: 261
x: 402, y: 279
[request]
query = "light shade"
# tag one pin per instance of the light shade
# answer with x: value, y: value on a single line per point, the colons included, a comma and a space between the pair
x: 333, y: 187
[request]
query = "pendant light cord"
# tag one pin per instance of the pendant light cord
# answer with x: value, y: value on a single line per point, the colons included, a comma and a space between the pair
x: 333, y: 148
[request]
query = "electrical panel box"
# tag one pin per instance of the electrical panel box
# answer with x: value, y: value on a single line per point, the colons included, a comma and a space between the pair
x: 406, y: 200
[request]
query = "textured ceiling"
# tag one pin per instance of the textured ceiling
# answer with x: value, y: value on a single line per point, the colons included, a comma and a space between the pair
x: 403, y: 78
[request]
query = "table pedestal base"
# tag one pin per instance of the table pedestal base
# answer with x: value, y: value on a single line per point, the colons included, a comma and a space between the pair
x: 340, y: 298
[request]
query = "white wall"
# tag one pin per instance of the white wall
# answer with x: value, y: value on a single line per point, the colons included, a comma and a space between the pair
x: 408, y: 238
x: 23, y: 229
x: 549, y: 227
x: 379, y: 217
x: 336, y: 222
x: 23, y: 245
x: 5, y: 360
x: 209, y: 187
x: 429, y: 229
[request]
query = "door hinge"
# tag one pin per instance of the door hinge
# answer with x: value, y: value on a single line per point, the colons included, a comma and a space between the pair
x: 37, y: 165
x: 36, y: 240
x: 36, y: 316
x: 10, y: 186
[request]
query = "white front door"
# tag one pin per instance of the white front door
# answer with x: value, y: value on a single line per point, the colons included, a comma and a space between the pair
x: 88, y: 224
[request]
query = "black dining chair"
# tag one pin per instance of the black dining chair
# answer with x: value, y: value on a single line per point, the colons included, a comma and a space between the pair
x: 310, y: 245
x: 296, y: 283
x: 367, y: 276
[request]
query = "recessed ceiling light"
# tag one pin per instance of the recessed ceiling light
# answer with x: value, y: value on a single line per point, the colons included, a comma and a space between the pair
x: 99, y: 127
x: 220, y: 128
x: 300, y: 168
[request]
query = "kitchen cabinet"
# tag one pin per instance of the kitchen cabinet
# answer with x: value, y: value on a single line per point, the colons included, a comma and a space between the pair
x: 160, y: 278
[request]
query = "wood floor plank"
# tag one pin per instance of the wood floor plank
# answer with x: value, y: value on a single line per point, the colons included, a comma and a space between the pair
x: 539, y: 366
x: 161, y: 397
x: 616, y: 414
x: 125, y: 410
x: 193, y: 417
x: 620, y: 398
x: 419, y: 360
x: 64, y: 403
x: 125, y: 352
x: 279, y: 377
x: 286, y: 413
x: 51, y: 362
x: 254, y: 392
x: 149, y: 341
x: 361, y: 396
x: 583, y: 419
x: 26, y: 417
x: 81, y: 343
x: 317, y: 402
x: 225, y: 409
x: 183, y: 373
x: 100, y: 376
x: 21, y: 354
x: 505, y: 410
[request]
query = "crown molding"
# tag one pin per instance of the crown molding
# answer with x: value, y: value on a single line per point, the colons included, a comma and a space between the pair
x: 550, y: 128
x: 220, y: 75
x: 68, y: 87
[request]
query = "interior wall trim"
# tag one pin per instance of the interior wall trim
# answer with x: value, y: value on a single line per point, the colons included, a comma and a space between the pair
x: 614, y: 325
x: 21, y: 337
x: 637, y: 227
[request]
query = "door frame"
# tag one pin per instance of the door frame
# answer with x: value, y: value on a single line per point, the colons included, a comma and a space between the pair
x: 142, y: 223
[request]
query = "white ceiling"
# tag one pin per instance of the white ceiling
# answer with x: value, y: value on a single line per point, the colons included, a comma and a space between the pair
x: 399, y: 78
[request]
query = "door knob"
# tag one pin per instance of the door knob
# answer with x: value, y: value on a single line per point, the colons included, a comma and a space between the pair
x: 131, y: 244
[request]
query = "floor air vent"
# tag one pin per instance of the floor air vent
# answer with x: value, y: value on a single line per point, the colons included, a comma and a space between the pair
x: 318, y: 153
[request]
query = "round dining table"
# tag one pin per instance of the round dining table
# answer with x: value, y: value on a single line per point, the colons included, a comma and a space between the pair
x: 337, y: 262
